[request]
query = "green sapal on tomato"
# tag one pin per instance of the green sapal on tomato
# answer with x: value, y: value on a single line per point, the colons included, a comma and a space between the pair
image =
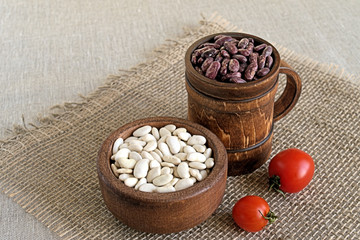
x: 291, y: 170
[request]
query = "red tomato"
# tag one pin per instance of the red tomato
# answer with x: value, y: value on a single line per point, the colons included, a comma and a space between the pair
x: 252, y: 213
x: 291, y: 170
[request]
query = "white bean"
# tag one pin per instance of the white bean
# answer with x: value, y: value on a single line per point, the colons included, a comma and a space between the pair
x: 155, y: 133
x: 137, y: 142
x: 165, y: 189
x: 184, y: 183
x: 159, y: 153
x: 124, y: 176
x: 140, y: 182
x: 196, y: 139
x: 135, y: 155
x: 165, y: 170
x: 208, y: 153
x: 189, y: 149
x: 183, y: 170
x: 164, y: 148
x: 173, y: 181
x: 174, y: 144
x: 135, y: 147
x: 209, y: 163
x: 147, y: 187
x: 148, y: 137
x: 182, y: 156
x: 164, y: 132
x: 153, y: 173
x: 122, y: 153
x: 127, y: 163
x: 197, y: 165
x: 124, y: 145
x: 141, y: 168
x: 179, y: 130
x: 194, y: 172
x: 114, y: 169
x: 156, y: 156
x: 199, y: 148
x: 167, y: 164
x: 162, y: 139
x: 154, y: 164
x: 184, y: 136
x: 142, y: 131
x: 146, y: 155
x: 131, y: 181
x: 124, y: 170
x: 204, y: 174
x: 172, y: 159
x: 150, y: 146
x: 129, y: 139
x: 162, y: 180
x: 196, y: 157
x: 117, y: 144
x: 170, y: 127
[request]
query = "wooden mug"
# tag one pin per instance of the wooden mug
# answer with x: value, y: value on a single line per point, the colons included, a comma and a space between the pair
x: 242, y: 115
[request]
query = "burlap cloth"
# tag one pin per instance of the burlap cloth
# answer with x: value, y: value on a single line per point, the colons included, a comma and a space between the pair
x: 49, y: 168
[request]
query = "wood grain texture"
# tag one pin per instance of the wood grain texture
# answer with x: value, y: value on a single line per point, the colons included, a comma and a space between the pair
x: 241, y: 115
x: 163, y: 212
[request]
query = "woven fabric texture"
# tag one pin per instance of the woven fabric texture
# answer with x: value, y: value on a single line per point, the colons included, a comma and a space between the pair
x: 50, y: 168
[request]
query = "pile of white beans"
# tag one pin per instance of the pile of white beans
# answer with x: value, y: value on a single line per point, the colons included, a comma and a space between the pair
x: 161, y: 160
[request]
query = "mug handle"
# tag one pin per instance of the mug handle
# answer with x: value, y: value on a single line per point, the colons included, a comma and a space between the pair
x: 291, y: 94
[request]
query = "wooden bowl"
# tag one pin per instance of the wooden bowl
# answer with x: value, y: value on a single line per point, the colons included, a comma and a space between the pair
x: 163, y: 212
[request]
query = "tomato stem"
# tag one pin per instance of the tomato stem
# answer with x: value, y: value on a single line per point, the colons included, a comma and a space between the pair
x: 275, y: 184
x: 270, y: 216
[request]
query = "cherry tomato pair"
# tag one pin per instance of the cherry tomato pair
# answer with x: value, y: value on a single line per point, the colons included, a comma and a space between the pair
x: 289, y: 171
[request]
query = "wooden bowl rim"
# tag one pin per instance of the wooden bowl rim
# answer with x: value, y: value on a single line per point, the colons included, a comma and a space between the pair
x: 274, y: 69
x: 118, y: 187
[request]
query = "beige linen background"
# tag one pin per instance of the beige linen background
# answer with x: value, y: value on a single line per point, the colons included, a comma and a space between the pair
x: 51, y: 51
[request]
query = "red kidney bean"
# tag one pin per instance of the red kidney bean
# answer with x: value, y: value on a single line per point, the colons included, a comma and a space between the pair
x: 231, y: 75
x: 240, y: 58
x: 244, y: 52
x: 234, y: 65
x: 243, y: 66
x: 263, y: 72
x: 267, y: 51
x: 209, y: 53
x: 269, y: 62
x: 224, y: 66
x: 219, y: 36
x: 213, y: 70
x: 193, y: 58
x: 237, y: 80
x: 231, y: 48
x: 218, y: 57
x: 214, y: 45
x: 225, y: 54
x: 250, y: 71
x: 261, y: 61
x: 223, y: 39
x: 254, y: 58
x: 243, y: 43
x: 250, y: 47
x: 206, y: 64
x: 260, y: 47
x: 200, y: 60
